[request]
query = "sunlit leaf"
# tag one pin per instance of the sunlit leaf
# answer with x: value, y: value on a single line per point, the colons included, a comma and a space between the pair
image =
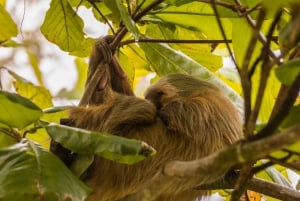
x: 196, y: 16
x: 28, y: 172
x: 178, y: 2
x: 295, y: 148
x: 273, y: 6
x: 63, y: 26
x: 8, y: 26
x: 112, y: 147
x: 10, y: 43
x: 112, y: 5
x: 289, y: 71
x: 17, y: 111
x: 85, y: 48
x: 38, y: 95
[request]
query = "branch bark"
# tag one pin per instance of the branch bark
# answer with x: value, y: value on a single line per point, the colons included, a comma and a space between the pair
x: 201, y: 171
x: 258, y: 185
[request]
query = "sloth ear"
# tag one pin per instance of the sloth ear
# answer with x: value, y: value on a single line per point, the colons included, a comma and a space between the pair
x: 182, y: 117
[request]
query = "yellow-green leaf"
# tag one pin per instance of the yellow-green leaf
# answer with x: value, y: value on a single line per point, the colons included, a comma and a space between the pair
x: 8, y: 28
x: 38, y: 95
x: 288, y: 71
x: 63, y: 26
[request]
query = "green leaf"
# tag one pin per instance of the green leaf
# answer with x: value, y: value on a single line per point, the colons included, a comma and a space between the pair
x: 196, y: 16
x: 288, y: 72
x: 273, y: 6
x: 29, y: 173
x: 127, y: 20
x: 38, y: 95
x: 8, y: 26
x: 292, y: 118
x: 17, y: 111
x: 165, y: 60
x: 85, y: 48
x: 80, y: 164
x: 112, y: 147
x: 178, y: 2
x: 6, y: 140
x: 63, y: 26
x: 112, y: 5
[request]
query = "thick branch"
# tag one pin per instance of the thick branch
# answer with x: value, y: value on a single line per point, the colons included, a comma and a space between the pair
x: 258, y: 185
x: 213, y: 167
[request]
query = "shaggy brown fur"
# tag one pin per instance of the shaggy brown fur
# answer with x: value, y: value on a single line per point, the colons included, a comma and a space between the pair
x: 183, y: 118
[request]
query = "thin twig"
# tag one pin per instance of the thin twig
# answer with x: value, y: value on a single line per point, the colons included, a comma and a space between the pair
x: 122, y: 31
x: 245, y: 74
x: 266, y: 68
x: 150, y: 40
x: 128, y: 7
x: 223, y: 32
x: 139, y: 7
x: 261, y: 36
x: 11, y: 133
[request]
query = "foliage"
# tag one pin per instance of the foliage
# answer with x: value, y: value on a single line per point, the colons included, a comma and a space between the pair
x: 262, y: 38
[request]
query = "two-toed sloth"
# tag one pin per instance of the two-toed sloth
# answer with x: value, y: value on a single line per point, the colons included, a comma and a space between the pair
x: 182, y: 117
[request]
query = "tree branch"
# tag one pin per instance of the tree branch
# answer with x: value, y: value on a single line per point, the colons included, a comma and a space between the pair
x: 258, y: 185
x: 213, y: 167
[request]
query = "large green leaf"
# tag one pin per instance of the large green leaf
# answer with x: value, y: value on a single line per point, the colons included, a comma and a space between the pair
x: 289, y: 71
x: 63, y: 26
x: 30, y: 173
x: 195, y: 16
x: 199, y: 52
x: 165, y: 60
x: 8, y: 27
x: 17, y: 111
x: 112, y: 147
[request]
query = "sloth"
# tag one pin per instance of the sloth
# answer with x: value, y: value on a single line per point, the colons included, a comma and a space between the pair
x: 182, y: 117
